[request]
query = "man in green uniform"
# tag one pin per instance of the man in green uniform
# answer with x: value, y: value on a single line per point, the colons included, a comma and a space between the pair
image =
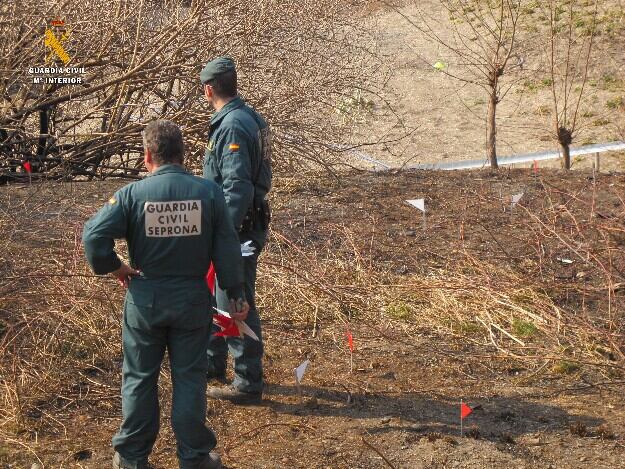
x: 238, y: 158
x: 175, y: 224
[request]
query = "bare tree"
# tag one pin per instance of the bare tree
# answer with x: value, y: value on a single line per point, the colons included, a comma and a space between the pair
x: 569, y: 55
x: 481, y: 39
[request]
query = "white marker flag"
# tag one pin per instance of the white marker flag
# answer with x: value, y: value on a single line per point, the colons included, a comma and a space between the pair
x: 417, y: 203
x: 247, y: 249
x: 516, y: 198
x: 300, y: 370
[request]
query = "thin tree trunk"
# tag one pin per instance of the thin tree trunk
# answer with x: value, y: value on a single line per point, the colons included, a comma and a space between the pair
x: 566, y: 155
x: 491, y: 131
x: 42, y: 142
x: 565, y: 138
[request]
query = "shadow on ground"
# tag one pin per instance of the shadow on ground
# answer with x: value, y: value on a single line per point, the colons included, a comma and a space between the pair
x: 495, y: 417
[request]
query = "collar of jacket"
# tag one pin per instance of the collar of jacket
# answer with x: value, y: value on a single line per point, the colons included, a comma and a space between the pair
x: 236, y: 103
x: 166, y: 169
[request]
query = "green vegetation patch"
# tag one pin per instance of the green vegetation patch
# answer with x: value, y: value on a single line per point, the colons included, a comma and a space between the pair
x: 469, y: 327
x: 617, y: 103
x: 523, y: 328
x: 611, y: 82
x: 398, y: 310
x: 566, y: 368
x: 601, y: 122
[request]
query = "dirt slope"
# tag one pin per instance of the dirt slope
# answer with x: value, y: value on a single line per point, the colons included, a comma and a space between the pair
x: 446, y: 118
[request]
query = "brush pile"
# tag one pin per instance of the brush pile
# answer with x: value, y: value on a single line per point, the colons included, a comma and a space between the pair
x: 139, y: 60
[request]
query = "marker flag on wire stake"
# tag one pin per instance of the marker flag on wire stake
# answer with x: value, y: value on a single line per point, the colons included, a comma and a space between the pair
x: 300, y: 370
x: 516, y: 198
x: 535, y: 168
x: 350, y: 344
x: 417, y: 203
x: 27, y: 166
x: 465, y: 410
x: 350, y: 340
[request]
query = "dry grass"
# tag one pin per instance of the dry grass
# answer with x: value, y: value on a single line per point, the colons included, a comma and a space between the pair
x: 515, y: 295
x: 60, y: 345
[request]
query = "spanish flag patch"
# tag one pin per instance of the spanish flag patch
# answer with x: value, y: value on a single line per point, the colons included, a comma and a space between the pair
x: 233, y: 147
x: 112, y: 201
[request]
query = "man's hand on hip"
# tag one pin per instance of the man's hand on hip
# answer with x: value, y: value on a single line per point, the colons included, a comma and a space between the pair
x: 239, y: 309
x: 124, y: 273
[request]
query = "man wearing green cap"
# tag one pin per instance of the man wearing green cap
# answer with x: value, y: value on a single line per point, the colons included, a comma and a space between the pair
x: 175, y: 224
x: 238, y: 158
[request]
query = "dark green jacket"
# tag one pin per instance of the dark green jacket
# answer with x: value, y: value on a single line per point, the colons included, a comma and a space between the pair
x: 175, y: 224
x: 238, y: 158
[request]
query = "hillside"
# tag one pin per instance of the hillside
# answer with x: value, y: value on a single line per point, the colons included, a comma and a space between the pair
x: 444, y: 119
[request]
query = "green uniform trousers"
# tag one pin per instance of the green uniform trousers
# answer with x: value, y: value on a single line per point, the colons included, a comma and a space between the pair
x: 247, y: 352
x: 144, y: 349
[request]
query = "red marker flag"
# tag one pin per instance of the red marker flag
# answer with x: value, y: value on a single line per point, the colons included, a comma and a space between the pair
x: 27, y: 167
x: 228, y: 326
x: 210, y: 279
x: 350, y: 341
x: 465, y: 410
x: 535, y: 167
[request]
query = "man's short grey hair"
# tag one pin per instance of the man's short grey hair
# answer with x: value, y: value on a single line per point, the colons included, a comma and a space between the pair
x: 163, y: 139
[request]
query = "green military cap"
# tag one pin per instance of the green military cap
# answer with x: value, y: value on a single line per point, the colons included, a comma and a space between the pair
x: 216, y: 67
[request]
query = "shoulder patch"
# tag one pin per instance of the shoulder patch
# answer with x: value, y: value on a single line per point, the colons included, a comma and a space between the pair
x: 112, y: 201
x: 233, y: 147
x: 211, y: 145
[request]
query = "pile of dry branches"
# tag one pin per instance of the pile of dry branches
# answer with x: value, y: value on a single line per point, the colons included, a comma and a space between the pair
x: 141, y: 61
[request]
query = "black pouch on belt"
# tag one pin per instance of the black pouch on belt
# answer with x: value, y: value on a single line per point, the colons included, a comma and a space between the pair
x: 257, y: 217
x: 266, y: 214
x: 262, y: 214
x: 248, y: 221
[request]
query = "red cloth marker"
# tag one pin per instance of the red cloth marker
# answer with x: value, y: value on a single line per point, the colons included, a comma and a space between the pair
x: 465, y: 411
x: 228, y: 326
x: 27, y: 167
x: 350, y: 341
x: 210, y: 279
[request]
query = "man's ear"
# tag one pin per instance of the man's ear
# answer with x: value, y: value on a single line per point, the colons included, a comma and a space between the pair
x: 147, y: 159
x: 208, y: 92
